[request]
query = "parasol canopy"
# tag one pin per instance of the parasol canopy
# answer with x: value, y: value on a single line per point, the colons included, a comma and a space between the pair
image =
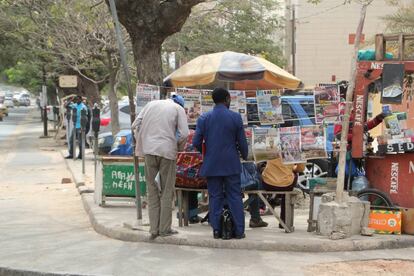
x: 245, y: 71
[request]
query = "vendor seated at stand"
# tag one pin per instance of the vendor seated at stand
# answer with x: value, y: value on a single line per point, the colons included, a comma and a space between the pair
x: 351, y: 162
x: 277, y: 176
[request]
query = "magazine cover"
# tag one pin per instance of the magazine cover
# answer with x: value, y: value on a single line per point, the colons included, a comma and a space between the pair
x: 290, y: 145
x: 265, y: 144
x: 238, y: 103
x: 269, y: 105
x: 327, y: 113
x: 146, y: 93
x: 313, y: 142
x: 326, y: 93
x: 207, y: 102
x: 392, y: 83
x: 192, y: 106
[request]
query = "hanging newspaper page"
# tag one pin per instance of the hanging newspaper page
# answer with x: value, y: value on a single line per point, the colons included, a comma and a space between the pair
x: 269, y: 104
x: 313, y: 142
x: 146, y: 93
x: 290, y: 145
x: 252, y: 112
x: 326, y: 93
x: 265, y: 144
x: 327, y: 108
x: 327, y: 113
x: 238, y: 103
x: 207, y: 102
x: 249, y: 138
x: 192, y: 106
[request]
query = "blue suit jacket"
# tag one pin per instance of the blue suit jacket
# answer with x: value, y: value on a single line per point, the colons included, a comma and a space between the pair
x: 222, y: 131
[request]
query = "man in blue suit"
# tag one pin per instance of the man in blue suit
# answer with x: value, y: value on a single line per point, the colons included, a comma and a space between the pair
x: 223, y: 134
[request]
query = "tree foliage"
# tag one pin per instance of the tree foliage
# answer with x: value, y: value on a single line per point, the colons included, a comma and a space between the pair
x: 403, y: 19
x: 248, y: 26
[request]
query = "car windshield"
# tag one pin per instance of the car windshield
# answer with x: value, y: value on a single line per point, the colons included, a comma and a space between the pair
x: 296, y: 110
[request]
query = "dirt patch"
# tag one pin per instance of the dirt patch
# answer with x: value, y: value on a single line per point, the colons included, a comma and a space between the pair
x: 366, y: 268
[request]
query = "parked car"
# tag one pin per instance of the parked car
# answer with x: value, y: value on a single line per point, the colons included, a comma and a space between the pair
x: 124, y: 117
x: 24, y: 100
x: 105, y: 138
x: 122, y: 143
x: 105, y: 141
x: 8, y: 100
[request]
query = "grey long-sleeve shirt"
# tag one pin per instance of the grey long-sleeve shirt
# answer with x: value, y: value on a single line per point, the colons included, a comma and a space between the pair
x: 156, y: 126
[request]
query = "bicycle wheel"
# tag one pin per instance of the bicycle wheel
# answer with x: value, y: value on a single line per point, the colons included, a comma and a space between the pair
x: 375, y: 197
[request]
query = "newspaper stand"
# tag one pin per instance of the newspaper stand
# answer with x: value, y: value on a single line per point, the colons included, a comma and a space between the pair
x: 392, y: 172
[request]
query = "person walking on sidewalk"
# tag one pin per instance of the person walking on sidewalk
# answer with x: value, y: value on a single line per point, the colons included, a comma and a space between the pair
x: 161, y: 131
x: 223, y: 134
x: 79, y: 106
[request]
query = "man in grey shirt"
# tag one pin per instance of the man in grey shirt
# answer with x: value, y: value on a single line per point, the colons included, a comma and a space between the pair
x: 161, y: 130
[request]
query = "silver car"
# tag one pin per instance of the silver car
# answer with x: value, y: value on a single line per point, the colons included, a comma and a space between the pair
x: 106, y: 139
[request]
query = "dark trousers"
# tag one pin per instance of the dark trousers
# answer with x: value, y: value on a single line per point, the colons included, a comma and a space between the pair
x: 193, y: 204
x: 230, y: 186
x: 78, y: 139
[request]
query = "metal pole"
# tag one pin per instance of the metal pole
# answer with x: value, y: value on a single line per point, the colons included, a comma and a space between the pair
x: 95, y: 148
x: 74, y: 132
x: 131, y: 105
x: 44, y: 96
x: 68, y: 126
x: 293, y: 40
x: 83, y: 150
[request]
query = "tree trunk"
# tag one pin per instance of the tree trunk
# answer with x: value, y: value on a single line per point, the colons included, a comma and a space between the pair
x: 113, y: 102
x: 89, y: 89
x: 147, y: 57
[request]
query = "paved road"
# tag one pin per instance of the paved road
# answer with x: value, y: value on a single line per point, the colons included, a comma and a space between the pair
x: 43, y: 226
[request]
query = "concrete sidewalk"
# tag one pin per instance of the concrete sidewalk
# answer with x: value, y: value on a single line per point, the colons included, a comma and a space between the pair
x: 110, y: 220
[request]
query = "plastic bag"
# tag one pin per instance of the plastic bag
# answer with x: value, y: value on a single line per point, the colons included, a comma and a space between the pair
x: 360, y: 183
x: 249, y: 177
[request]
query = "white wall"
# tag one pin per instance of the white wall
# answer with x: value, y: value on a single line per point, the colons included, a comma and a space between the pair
x: 322, y: 31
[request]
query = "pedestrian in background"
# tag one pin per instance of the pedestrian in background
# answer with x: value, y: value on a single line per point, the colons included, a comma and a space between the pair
x: 161, y: 131
x: 78, y: 106
x: 223, y: 134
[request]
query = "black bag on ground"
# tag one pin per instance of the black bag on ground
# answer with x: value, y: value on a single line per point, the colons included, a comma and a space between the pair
x: 226, y: 224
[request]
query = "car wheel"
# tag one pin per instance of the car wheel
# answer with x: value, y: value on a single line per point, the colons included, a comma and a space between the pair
x: 314, y: 168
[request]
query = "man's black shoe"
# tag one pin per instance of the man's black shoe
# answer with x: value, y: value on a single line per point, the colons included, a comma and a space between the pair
x: 69, y: 157
x: 257, y: 223
x: 239, y: 237
x: 216, y: 234
x: 79, y: 156
x: 195, y: 219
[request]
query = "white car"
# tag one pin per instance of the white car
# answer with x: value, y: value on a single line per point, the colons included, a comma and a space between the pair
x: 8, y: 101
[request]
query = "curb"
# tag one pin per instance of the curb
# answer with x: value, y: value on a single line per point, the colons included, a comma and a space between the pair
x: 279, y: 244
x: 297, y: 245
x: 20, y: 272
x: 78, y: 182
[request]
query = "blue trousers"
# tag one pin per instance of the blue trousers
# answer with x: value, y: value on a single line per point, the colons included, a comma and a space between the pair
x: 229, y: 186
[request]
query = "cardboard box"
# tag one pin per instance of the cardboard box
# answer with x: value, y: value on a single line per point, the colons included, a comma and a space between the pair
x: 385, y: 221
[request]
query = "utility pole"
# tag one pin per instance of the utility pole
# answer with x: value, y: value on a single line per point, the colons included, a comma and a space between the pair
x: 131, y: 106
